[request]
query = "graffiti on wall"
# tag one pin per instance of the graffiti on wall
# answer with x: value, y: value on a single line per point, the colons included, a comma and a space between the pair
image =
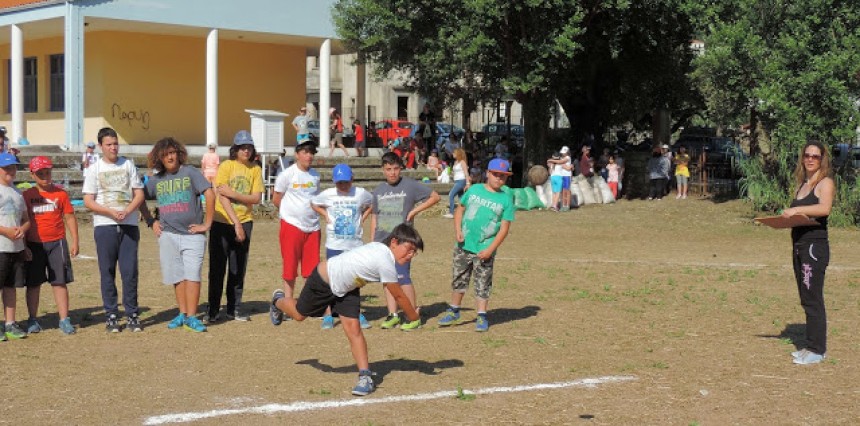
x: 138, y: 117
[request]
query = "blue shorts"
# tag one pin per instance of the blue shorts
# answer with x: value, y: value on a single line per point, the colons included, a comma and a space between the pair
x: 565, y: 182
x: 404, y: 273
x: 556, y: 182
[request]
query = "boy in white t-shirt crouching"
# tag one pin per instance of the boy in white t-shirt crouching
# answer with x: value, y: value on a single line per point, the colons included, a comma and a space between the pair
x: 336, y: 283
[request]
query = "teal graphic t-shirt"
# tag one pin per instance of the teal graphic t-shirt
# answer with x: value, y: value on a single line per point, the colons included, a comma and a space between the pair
x: 485, y: 211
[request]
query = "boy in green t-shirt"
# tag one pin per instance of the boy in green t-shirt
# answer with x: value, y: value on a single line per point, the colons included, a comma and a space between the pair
x: 482, y: 220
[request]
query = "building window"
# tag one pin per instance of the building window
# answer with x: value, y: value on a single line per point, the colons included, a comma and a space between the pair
x: 402, y: 107
x: 58, y: 82
x: 30, y: 85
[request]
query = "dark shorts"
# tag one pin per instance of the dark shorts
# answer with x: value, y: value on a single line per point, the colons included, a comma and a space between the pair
x: 360, y: 144
x: 12, y: 270
x: 316, y: 296
x: 51, y: 263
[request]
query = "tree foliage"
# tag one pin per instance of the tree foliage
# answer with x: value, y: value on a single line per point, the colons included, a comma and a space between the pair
x: 788, y: 68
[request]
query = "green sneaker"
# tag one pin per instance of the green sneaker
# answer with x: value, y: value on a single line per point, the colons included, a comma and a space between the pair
x: 13, y: 332
x: 391, y: 321
x: 411, y: 325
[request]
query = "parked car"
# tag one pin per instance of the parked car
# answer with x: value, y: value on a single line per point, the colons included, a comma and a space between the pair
x: 314, y: 130
x: 443, y: 132
x: 491, y: 133
x: 387, y: 130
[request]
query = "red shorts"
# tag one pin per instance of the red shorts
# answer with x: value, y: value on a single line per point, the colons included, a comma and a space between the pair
x: 298, y: 246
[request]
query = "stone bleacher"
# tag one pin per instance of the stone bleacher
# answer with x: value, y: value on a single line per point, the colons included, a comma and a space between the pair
x: 367, y: 171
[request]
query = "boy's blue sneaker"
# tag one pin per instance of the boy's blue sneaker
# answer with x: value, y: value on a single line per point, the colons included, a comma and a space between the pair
x: 66, y: 326
x: 450, y: 318
x: 365, y: 383
x: 275, y: 314
x: 33, y: 326
x: 328, y: 322
x: 177, y: 322
x: 362, y: 321
x: 194, y: 324
x: 482, y: 324
x: 13, y: 332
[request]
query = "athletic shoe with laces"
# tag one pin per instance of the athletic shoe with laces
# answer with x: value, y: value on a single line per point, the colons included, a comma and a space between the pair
x: 481, y: 324
x: 112, y: 324
x: 193, y: 324
x: 239, y: 316
x: 66, y: 326
x: 327, y: 322
x: 133, y: 323
x: 448, y: 216
x: 275, y: 314
x: 177, y: 322
x: 809, y: 357
x: 411, y: 325
x: 363, y: 323
x: 390, y: 321
x: 14, y: 332
x: 450, y: 318
x: 799, y: 353
x: 33, y: 326
x: 365, y: 383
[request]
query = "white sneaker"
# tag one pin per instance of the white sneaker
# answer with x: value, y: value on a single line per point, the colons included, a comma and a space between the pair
x: 448, y: 215
x: 809, y: 357
x: 678, y: 197
x: 685, y: 196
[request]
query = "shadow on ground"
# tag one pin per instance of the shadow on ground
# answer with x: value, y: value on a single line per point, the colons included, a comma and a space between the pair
x: 794, y: 332
x: 382, y: 368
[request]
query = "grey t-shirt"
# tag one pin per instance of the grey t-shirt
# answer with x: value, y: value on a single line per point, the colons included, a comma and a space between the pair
x: 391, y: 204
x: 178, y: 198
x: 301, y: 121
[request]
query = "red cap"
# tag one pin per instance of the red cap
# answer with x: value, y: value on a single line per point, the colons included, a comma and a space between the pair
x: 39, y: 163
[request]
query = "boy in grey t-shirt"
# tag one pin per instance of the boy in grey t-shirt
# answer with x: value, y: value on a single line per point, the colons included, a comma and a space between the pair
x: 398, y: 200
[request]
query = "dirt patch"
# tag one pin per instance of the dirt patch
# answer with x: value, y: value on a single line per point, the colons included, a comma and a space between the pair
x: 688, y: 297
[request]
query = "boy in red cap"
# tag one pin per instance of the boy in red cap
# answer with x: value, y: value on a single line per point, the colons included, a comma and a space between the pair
x: 481, y: 221
x: 51, y: 215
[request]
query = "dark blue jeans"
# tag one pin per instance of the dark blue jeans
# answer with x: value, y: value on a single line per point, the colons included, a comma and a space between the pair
x: 226, y: 255
x: 118, y: 244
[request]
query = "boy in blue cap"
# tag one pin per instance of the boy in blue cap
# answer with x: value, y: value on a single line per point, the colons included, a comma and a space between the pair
x: 345, y: 208
x: 481, y: 222
x: 14, y: 223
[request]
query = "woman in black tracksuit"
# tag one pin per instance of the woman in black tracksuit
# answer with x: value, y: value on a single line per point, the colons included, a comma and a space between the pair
x: 811, y: 249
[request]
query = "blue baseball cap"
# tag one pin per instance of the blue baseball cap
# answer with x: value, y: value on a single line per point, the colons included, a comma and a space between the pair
x: 341, y: 173
x: 7, y: 159
x: 243, y: 137
x: 500, y: 165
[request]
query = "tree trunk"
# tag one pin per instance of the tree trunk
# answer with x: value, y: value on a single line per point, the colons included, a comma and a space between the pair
x: 536, y: 116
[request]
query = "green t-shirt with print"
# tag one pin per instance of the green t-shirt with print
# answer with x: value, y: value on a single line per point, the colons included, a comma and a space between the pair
x: 482, y: 219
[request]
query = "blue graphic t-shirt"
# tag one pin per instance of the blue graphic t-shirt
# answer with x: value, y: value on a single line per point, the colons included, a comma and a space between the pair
x: 343, y: 231
x: 178, y: 198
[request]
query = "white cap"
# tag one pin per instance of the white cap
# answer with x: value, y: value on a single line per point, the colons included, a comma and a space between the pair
x: 564, y: 150
x: 665, y: 146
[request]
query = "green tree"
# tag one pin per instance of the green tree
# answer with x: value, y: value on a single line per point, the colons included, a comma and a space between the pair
x: 789, y: 69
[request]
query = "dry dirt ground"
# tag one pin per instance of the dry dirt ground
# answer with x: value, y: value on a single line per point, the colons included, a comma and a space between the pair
x: 690, y: 307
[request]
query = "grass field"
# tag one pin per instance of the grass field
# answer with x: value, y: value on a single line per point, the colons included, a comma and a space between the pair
x: 682, y: 312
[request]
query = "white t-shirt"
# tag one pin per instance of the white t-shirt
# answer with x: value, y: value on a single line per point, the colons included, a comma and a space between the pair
x: 299, y: 188
x: 372, y: 262
x: 567, y: 162
x: 459, y: 173
x: 344, y: 231
x: 12, y: 211
x: 112, y: 184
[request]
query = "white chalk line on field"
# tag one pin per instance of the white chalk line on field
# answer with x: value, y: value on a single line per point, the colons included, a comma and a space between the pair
x: 729, y: 265
x: 301, y: 406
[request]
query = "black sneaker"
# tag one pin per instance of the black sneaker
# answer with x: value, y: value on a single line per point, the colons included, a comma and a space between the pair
x: 134, y: 323
x: 112, y: 324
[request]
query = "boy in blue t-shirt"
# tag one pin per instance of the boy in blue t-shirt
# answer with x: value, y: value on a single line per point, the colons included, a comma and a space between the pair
x: 482, y: 221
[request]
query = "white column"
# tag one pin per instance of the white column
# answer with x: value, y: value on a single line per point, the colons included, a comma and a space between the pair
x: 325, y: 92
x: 361, y: 92
x: 17, y: 56
x: 73, y: 70
x: 212, y: 87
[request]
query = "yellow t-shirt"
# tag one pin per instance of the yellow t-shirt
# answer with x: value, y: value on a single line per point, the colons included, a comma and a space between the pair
x: 681, y: 161
x: 242, y: 179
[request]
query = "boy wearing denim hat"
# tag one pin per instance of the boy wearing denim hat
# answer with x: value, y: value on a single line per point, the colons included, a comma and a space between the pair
x: 481, y: 222
x: 299, y: 236
x: 14, y: 224
x: 345, y: 208
x: 51, y: 215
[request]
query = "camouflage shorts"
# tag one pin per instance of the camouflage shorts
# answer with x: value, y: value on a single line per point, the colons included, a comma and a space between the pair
x: 466, y: 265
